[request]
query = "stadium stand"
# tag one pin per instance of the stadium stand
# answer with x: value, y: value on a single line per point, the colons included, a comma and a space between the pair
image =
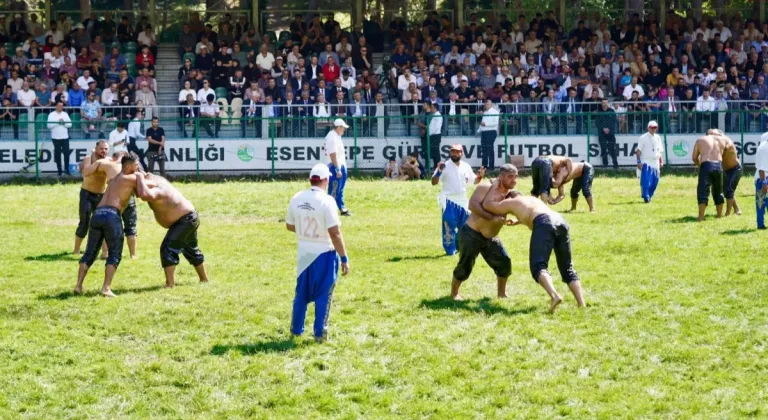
x: 545, y: 80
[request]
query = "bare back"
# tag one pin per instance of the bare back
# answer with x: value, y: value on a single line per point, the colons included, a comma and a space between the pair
x: 119, y: 191
x: 169, y: 205
x: 709, y: 149
x: 730, y: 155
x: 525, y: 208
x: 485, y: 192
x: 558, y: 162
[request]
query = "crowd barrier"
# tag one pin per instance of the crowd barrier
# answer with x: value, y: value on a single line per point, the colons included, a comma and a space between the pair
x: 291, y: 144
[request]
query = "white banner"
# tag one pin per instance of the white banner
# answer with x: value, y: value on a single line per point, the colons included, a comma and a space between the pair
x: 244, y: 155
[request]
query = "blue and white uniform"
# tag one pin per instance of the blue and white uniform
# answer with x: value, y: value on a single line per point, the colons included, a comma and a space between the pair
x: 650, y: 148
x: 334, y: 144
x: 313, y: 212
x: 761, y: 164
x: 453, y: 200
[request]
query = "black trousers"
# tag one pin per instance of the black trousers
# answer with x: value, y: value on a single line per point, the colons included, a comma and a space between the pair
x: 88, y: 203
x: 608, y: 148
x: 551, y: 232
x: 487, y: 138
x: 182, y: 238
x: 433, y: 145
x: 61, y: 155
x: 132, y: 147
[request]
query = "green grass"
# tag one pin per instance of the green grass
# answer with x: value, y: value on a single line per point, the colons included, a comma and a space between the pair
x: 676, y: 325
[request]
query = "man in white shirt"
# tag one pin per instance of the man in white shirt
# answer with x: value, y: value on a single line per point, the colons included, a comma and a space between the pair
x: 202, y: 94
x: 649, y: 161
x: 633, y: 87
x: 455, y: 175
x: 265, y: 60
x: 118, y: 139
x: 337, y: 164
x: 25, y: 96
x: 430, y: 141
x: 705, y: 107
x: 134, y: 133
x: 209, y: 112
x: 489, y: 129
x: 761, y: 180
x: 85, y: 80
x: 312, y: 216
x: 59, y: 124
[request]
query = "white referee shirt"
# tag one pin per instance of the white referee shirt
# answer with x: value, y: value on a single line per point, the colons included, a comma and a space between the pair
x: 455, y: 178
x: 761, y: 159
x: 312, y: 212
x: 650, y: 148
x: 436, y: 124
x: 334, y: 144
x: 116, y: 136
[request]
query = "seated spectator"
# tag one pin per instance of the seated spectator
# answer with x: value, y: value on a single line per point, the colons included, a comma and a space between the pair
x: 206, y: 90
x: 186, y: 91
x: 147, y: 37
x: 265, y: 60
x: 145, y: 78
x: 9, y: 115
x: 26, y: 96
x: 190, y: 112
x: 146, y: 97
x: 187, y: 40
x: 43, y: 96
x: 91, y: 116
x: 237, y: 85
x: 97, y: 48
x: 219, y: 76
x: 145, y: 56
x: 209, y: 112
x: 204, y: 42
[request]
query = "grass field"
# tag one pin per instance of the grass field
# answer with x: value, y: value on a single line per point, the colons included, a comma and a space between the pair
x: 676, y: 327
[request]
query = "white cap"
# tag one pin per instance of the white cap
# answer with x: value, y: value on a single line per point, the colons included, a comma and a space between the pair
x: 653, y: 123
x: 320, y: 171
x: 338, y: 122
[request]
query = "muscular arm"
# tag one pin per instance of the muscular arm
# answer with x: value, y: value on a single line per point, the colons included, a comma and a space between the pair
x: 560, y: 196
x: 500, y: 208
x: 338, y: 244
x: 144, y: 192
x: 476, y: 202
x: 696, y: 153
x: 88, y: 167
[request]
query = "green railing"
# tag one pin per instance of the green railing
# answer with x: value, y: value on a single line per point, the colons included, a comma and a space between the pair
x: 278, y: 145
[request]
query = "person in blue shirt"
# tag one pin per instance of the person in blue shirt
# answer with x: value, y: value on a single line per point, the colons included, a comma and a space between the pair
x: 76, y: 96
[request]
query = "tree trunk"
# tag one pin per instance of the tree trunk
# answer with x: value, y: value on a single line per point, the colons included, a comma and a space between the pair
x: 719, y: 6
x: 85, y: 9
x: 696, y: 7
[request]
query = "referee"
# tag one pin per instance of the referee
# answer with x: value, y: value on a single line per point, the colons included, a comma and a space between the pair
x: 489, y: 128
x: 59, y: 123
x: 432, y: 135
x: 312, y: 215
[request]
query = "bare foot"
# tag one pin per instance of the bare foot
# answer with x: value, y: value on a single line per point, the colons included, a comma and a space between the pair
x: 103, y: 256
x: 699, y: 219
x: 591, y: 211
x: 108, y: 293
x: 738, y: 213
x: 204, y: 281
x: 169, y: 286
x: 502, y: 296
x: 77, y: 252
x: 556, y: 301
x: 133, y: 257
x: 78, y: 291
x: 457, y: 298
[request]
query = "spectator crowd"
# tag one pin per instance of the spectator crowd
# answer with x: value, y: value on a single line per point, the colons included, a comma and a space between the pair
x: 543, y: 79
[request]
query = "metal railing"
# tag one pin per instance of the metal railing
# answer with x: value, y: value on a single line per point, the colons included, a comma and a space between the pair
x: 243, y: 143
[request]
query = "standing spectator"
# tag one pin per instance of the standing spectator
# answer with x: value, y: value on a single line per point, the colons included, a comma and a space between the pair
x: 59, y: 124
x: 489, y: 128
x: 134, y: 134
x: 91, y: 116
x: 156, y: 146
x: 761, y: 182
x: 18, y: 29
x: 605, y: 120
x: 433, y: 134
x: 118, y: 139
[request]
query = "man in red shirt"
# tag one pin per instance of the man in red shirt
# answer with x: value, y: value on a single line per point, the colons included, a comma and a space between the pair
x: 331, y: 70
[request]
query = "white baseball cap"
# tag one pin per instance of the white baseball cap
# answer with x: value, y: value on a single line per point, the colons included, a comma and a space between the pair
x: 338, y: 122
x: 320, y: 171
x: 653, y: 124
